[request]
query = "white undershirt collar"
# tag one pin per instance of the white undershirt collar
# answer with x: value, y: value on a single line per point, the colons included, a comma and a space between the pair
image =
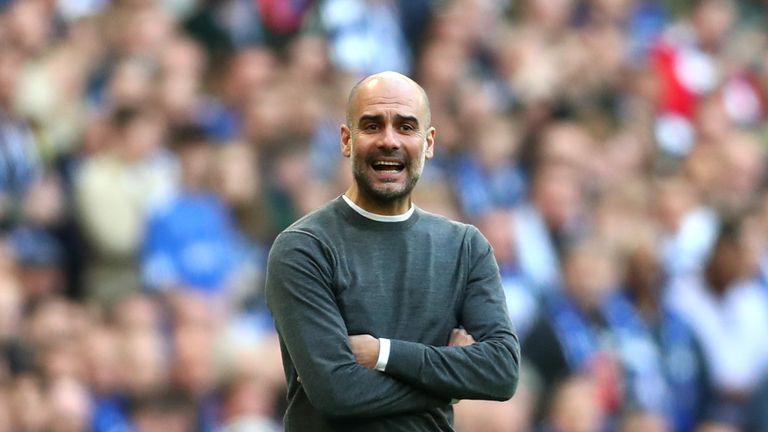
x: 377, y: 217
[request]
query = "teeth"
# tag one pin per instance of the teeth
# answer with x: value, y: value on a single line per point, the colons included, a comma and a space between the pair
x: 395, y: 164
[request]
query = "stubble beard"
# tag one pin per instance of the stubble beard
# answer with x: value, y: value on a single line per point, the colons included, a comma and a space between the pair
x: 387, y: 192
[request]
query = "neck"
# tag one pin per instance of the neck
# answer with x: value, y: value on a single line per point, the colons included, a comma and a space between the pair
x: 647, y: 305
x: 388, y: 208
x: 718, y: 283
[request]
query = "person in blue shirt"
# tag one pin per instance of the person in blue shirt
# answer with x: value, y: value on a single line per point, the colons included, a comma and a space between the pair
x: 191, y: 241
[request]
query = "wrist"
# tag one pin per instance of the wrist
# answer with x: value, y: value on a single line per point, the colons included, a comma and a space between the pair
x: 383, y: 357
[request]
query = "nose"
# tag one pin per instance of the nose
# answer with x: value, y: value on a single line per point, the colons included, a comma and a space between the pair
x: 389, y: 139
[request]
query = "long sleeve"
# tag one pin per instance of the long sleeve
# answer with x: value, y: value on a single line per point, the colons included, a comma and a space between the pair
x: 300, y: 295
x: 111, y: 218
x: 487, y: 369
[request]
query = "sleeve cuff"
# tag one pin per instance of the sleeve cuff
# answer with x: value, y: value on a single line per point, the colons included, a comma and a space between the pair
x: 381, y: 362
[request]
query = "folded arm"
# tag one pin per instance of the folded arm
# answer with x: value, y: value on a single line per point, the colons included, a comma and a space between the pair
x: 486, y: 369
x: 300, y: 296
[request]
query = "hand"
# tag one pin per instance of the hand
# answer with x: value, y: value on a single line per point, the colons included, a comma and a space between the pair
x: 366, y: 349
x: 460, y: 337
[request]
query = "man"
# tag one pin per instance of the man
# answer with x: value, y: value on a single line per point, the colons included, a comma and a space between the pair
x: 368, y: 291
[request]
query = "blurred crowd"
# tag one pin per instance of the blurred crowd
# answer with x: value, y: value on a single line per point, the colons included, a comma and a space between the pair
x: 612, y: 151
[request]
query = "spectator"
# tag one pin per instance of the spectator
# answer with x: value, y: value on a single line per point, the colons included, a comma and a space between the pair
x: 190, y: 241
x: 546, y: 222
x: 688, y: 380
x: 575, y: 407
x: 724, y: 306
x: 590, y: 329
x: 114, y: 191
x: 489, y: 177
x: 162, y: 412
x: 20, y: 164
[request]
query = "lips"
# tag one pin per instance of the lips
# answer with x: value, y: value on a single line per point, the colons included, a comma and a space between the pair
x: 387, y: 165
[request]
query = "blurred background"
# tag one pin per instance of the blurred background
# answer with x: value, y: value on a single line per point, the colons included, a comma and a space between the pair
x: 612, y: 151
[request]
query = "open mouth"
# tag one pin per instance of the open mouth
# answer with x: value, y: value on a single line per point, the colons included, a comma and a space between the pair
x: 388, y: 166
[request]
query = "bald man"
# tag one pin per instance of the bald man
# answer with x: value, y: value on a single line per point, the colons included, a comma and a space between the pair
x: 387, y: 313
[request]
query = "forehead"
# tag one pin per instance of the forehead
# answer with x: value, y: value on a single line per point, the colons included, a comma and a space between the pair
x: 380, y: 95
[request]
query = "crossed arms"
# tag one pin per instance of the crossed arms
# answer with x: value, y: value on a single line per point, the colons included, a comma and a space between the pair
x: 418, y: 377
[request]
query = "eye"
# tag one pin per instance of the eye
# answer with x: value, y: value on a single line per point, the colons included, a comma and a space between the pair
x: 371, y: 127
x: 407, y: 127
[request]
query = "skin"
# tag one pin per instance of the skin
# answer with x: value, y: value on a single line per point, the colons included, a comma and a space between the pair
x: 388, y: 119
x: 366, y: 347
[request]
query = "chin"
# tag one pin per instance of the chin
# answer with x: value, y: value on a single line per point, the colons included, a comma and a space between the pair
x: 385, y: 192
x: 386, y: 195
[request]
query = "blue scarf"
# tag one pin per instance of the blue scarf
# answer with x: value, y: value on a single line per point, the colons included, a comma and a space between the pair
x: 631, y: 341
x: 683, y: 370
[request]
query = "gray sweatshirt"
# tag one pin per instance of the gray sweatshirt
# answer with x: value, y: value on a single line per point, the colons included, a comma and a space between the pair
x: 336, y: 273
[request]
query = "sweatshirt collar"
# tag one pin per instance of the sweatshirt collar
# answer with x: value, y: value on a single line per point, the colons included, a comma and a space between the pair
x: 377, y: 217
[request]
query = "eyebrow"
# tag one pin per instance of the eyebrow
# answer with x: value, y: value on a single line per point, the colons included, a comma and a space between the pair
x: 378, y: 118
x: 406, y: 119
x: 375, y: 118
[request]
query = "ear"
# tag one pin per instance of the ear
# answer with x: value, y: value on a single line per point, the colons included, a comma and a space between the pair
x: 346, y: 141
x: 430, y: 151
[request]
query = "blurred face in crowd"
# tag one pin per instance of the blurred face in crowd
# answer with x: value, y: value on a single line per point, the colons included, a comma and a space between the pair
x: 69, y: 403
x: 154, y: 419
x: 101, y: 360
x: 572, y: 408
x: 497, y: 227
x: 557, y: 194
x: 28, y: 408
x: 130, y: 82
x: 569, y: 144
x: 308, y: 57
x: 644, y: 422
x: 183, y: 64
x: 29, y: 25
x: 589, y: 273
x: 146, y: 28
x: 5, y: 412
x: 726, y: 264
x: 743, y: 168
x: 10, y: 306
x: 247, y: 397
x: 39, y: 280
x: 136, y: 313
x: 141, y: 137
x: 52, y: 320
x: 10, y: 64
x: 253, y: 69
x: 643, y: 273
x: 195, y: 159
x: 550, y: 14
x: 674, y: 198
x: 612, y: 9
x: 143, y: 362
x: 497, y: 142
x: 712, y: 19
x: 193, y: 363
x: 235, y: 172
x: 388, y: 138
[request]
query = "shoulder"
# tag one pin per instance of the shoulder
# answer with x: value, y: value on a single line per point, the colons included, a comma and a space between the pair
x: 313, y: 231
x: 439, y: 223
x: 318, y: 220
x: 96, y: 168
x: 468, y: 235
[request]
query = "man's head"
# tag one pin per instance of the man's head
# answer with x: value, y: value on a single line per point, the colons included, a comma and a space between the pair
x: 195, y: 153
x: 388, y: 136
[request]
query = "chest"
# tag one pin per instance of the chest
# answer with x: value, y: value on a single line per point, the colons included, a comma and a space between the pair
x: 402, y: 287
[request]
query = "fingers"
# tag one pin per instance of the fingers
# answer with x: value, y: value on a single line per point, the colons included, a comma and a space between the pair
x: 460, y: 337
x: 365, y: 348
x: 460, y: 333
